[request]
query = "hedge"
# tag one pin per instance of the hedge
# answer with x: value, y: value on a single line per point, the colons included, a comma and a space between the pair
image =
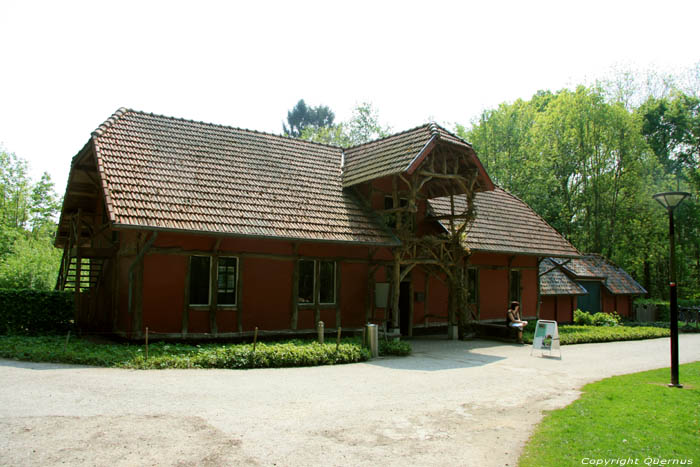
x: 25, y: 311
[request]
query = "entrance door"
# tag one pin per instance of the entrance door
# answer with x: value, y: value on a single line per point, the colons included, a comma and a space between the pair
x: 404, y: 299
x: 591, y: 301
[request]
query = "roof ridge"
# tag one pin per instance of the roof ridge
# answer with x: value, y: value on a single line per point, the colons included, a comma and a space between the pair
x: 123, y: 110
x: 390, y: 136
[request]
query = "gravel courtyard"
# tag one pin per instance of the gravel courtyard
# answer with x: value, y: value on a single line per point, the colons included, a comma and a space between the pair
x: 451, y: 403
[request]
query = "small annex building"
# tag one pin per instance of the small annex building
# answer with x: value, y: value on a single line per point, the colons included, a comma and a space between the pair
x: 197, y: 230
x: 590, y: 283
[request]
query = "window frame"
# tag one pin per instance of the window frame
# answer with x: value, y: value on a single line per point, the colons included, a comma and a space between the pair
x: 189, y: 292
x: 519, y: 282
x: 335, y: 284
x: 317, y: 283
x: 235, y: 282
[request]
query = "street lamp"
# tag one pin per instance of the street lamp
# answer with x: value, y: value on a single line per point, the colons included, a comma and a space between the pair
x: 670, y: 200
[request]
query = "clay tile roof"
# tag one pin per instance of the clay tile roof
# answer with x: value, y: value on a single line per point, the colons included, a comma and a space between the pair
x: 385, y: 156
x: 167, y: 173
x: 505, y: 224
x: 597, y: 267
x: 553, y: 281
x: 396, y: 154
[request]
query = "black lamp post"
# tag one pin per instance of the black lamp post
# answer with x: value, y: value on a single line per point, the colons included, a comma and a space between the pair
x: 670, y: 200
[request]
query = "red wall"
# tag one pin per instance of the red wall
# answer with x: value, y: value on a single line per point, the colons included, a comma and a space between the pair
x: 558, y: 307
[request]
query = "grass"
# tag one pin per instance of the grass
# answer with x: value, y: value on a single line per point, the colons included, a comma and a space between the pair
x: 577, y: 334
x: 625, y: 417
x: 295, y: 352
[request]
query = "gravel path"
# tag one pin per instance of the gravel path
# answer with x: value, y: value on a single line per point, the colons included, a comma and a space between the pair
x: 451, y: 403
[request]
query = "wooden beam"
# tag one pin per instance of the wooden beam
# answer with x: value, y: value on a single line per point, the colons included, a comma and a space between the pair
x: 186, y: 302
x: 239, y: 295
x: 338, y: 282
x: 295, y: 289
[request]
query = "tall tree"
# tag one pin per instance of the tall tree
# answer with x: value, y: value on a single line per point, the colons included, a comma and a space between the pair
x: 303, y: 116
x: 363, y: 126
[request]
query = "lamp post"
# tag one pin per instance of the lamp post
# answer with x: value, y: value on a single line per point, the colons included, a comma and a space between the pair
x: 670, y: 200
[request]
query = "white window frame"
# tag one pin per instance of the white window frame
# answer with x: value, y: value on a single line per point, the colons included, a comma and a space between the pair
x: 235, y: 282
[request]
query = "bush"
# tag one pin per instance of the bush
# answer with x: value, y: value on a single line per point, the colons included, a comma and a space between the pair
x: 575, y: 334
x: 24, y: 311
x: 394, y: 347
x: 584, y: 318
x: 291, y: 353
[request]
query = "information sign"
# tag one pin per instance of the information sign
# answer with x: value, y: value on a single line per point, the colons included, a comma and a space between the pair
x: 546, y: 337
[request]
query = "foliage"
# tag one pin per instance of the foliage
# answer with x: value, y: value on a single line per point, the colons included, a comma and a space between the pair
x: 27, y: 225
x: 631, y: 416
x: 596, y: 319
x: 394, y: 347
x: 362, y: 127
x: 30, y: 311
x: 589, y: 159
x: 582, y: 334
x: 292, y: 353
x: 303, y: 116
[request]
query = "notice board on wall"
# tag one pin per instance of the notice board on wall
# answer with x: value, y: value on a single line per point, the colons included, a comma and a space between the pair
x: 546, y: 337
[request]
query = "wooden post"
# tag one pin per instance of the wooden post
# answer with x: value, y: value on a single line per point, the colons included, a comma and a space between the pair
x: 337, y: 341
x: 411, y: 305
x: 397, y: 288
x: 146, y: 342
x: 295, y: 290
x: 320, y: 328
x: 255, y: 338
x: 186, y: 303
x: 426, y: 302
x: 338, y: 307
x: 539, y: 296
x: 239, y: 296
x: 317, y: 292
x: 214, y: 288
x: 65, y: 346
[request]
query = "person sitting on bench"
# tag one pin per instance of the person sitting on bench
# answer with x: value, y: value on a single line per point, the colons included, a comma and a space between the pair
x: 515, y: 321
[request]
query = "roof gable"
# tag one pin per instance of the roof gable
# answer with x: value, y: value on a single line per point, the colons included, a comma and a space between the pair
x: 165, y: 173
x: 553, y: 281
x: 404, y: 152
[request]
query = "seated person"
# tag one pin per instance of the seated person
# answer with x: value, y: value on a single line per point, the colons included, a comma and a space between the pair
x: 515, y: 321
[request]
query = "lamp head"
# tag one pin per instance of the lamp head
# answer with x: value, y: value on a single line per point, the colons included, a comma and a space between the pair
x: 671, y: 199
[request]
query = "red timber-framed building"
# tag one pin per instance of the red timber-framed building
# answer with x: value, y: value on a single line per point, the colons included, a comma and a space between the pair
x: 199, y: 230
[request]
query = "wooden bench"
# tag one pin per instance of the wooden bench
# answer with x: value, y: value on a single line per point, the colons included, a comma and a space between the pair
x: 496, y: 330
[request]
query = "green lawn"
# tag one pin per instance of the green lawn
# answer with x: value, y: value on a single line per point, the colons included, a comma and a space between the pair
x: 625, y: 417
x: 295, y: 352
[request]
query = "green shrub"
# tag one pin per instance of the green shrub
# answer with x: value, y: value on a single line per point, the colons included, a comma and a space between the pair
x: 25, y: 311
x: 394, y: 347
x: 576, y: 334
x: 291, y: 353
x: 584, y: 318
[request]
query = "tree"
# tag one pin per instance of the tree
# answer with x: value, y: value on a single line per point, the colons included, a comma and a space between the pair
x: 363, y: 126
x: 303, y: 116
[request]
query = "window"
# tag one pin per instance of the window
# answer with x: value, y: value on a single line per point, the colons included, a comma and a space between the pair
x: 316, y: 282
x: 199, y: 280
x: 472, y: 285
x: 306, y: 281
x: 515, y: 286
x: 226, y: 288
x: 391, y: 218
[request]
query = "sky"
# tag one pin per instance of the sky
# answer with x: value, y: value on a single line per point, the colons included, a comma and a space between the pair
x: 66, y: 66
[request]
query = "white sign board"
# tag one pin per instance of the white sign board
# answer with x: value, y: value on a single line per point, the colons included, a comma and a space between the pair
x: 546, y: 337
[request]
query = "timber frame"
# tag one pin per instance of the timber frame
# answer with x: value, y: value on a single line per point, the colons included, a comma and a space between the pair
x: 446, y: 171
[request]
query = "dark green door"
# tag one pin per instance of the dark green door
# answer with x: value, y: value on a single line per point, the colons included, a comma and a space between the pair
x: 591, y: 301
